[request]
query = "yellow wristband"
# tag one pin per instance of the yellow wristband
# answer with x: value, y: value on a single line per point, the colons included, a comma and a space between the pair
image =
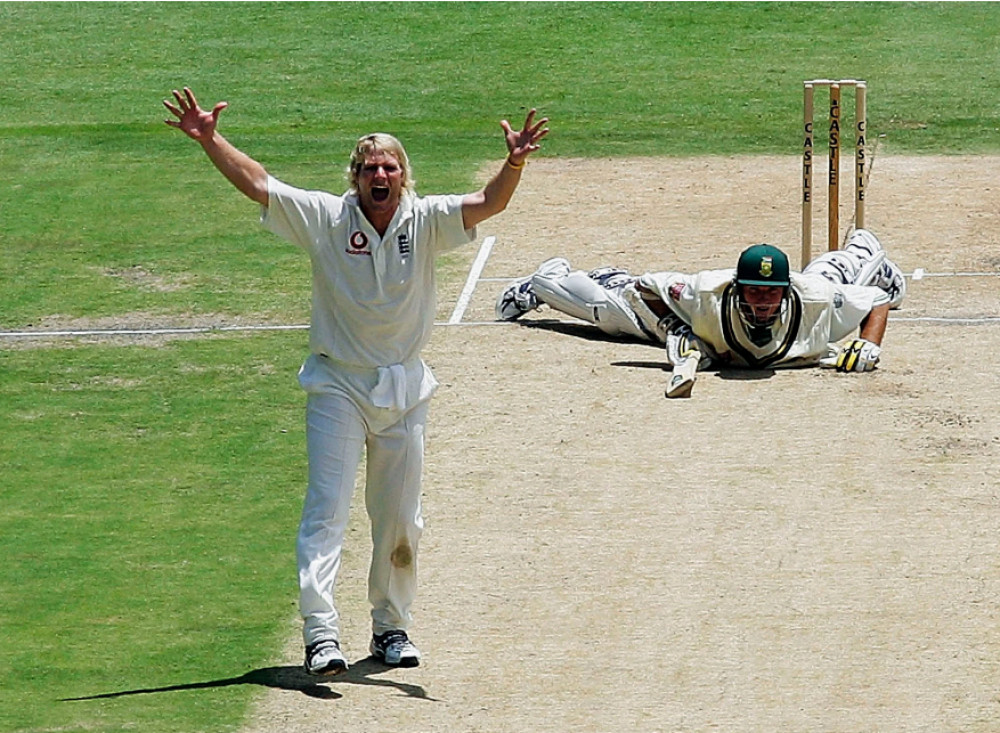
x: 516, y: 167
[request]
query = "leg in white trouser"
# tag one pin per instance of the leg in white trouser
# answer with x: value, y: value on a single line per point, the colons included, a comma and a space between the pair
x: 576, y: 294
x: 881, y: 272
x: 862, y: 261
x: 335, y: 437
x: 392, y: 497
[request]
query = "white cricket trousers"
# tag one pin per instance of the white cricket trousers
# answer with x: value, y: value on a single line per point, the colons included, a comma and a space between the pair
x: 339, y: 429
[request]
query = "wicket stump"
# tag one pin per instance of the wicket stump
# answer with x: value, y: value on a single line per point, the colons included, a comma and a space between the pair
x: 833, y: 199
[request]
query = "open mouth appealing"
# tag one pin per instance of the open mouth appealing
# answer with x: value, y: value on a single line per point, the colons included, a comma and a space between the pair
x: 380, y: 193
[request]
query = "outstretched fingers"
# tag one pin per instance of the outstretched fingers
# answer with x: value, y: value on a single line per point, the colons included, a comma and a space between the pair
x: 183, y: 104
x: 535, y: 128
x: 522, y: 143
x: 191, y: 118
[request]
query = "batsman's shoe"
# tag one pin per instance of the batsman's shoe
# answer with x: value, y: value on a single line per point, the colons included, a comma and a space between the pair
x: 325, y: 658
x: 516, y: 299
x: 395, y: 649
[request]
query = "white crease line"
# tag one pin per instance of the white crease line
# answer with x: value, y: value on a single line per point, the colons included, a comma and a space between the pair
x: 477, y: 323
x: 470, y: 282
x: 942, y: 319
x: 233, y: 329
x: 918, y: 274
x: 146, y: 331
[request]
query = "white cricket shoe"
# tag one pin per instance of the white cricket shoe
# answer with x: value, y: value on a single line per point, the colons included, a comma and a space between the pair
x: 325, y: 658
x: 395, y: 649
x: 516, y: 299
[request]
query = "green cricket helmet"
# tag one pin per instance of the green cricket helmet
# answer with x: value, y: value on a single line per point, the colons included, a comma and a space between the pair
x: 763, y: 264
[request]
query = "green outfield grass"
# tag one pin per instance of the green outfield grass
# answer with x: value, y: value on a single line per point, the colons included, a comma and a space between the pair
x: 150, y: 495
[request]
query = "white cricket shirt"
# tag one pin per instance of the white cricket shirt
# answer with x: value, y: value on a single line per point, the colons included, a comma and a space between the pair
x: 373, y: 298
x: 820, y: 313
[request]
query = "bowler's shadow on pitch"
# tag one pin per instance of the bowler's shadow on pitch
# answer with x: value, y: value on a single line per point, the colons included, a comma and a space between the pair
x: 292, y: 678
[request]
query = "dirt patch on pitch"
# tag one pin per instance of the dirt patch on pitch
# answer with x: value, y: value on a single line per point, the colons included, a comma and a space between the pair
x: 796, y: 550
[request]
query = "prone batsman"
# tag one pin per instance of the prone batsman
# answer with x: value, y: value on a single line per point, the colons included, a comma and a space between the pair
x: 757, y: 315
x: 372, y: 251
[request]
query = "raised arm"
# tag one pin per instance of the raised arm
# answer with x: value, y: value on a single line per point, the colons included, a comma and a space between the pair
x: 239, y: 168
x: 494, y: 197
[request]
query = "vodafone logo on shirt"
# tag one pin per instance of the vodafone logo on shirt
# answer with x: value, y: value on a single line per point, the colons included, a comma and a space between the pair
x: 358, y: 244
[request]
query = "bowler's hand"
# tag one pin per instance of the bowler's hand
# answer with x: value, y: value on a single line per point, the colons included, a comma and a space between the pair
x: 522, y: 143
x: 192, y: 120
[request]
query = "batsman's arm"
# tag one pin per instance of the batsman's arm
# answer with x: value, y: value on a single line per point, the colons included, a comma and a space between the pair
x: 863, y: 353
x: 874, y: 324
x: 652, y: 300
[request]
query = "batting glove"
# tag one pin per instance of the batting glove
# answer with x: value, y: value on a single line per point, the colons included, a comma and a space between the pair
x: 860, y: 355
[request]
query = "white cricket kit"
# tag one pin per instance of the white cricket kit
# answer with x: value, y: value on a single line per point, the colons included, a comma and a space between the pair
x: 373, y: 307
x: 826, y: 303
x: 819, y: 313
x: 373, y: 297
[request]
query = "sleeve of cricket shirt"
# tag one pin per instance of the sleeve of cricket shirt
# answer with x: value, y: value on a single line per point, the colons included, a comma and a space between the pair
x: 446, y: 212
x: 300, y: 216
